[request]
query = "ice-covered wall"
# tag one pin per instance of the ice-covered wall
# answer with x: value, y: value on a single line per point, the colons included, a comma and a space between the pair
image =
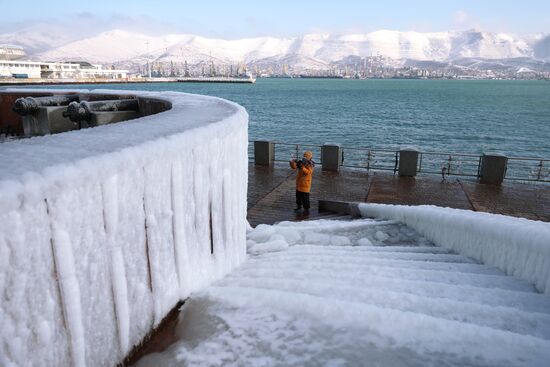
x: 103, y: 230
x: 518, y: 246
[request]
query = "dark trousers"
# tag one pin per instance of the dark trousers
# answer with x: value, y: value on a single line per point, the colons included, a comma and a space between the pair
x: 302, y: 199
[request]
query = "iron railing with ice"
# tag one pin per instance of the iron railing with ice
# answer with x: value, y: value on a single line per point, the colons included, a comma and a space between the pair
x: 436, y: 163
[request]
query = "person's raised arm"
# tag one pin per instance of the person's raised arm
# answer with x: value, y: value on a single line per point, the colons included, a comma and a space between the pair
x: 307, y: 169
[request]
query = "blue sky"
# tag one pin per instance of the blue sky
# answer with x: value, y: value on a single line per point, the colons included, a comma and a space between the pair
x: 244, y: 18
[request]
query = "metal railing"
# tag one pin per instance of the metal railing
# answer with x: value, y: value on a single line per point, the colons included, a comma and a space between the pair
x: 449, y: 164
x: 370, y: 159
x: 289, y: 151
x: 528, y: 169
x: 436, y: 163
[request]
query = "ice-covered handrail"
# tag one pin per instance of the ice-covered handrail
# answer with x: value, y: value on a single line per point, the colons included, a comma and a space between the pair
x: 518, y: 246
x: 104, y: 230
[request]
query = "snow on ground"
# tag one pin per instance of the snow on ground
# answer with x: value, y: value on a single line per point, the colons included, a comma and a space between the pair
x: 355, y: 293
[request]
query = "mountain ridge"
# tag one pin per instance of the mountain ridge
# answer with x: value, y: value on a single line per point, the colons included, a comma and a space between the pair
x: 315, y: 50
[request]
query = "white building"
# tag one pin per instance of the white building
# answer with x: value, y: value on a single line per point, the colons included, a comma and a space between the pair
x: 9, y: 52
x: 11, y: 66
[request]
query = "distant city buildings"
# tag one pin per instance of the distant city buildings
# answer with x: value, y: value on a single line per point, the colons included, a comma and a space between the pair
x: 12, y: 66
x: 372, y: 67
x: 380, y: 67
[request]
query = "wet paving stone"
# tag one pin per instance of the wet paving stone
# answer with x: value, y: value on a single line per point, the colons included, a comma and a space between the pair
x: 271, y: 193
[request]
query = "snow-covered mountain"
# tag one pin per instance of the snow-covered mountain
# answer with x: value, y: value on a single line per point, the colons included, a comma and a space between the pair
x: 311, y: 50
x: 35, y: 42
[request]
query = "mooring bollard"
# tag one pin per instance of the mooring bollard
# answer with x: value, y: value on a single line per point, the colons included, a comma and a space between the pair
x: 408, y: 162
x: 331, y: 157
x: 264, y: 153
x: 493, y: 168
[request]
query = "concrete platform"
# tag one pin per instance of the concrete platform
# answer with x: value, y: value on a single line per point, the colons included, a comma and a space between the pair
x: 271, y: 192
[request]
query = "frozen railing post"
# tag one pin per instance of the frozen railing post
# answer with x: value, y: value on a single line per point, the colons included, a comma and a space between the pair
x: 408, y: 162
x: 331, y: 157
x: 264, y: 152
x: 493, y: 168
x: 44, y: 115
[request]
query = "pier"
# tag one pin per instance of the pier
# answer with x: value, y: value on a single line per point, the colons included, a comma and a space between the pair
x: 405, y: 177
x: 43, y: 81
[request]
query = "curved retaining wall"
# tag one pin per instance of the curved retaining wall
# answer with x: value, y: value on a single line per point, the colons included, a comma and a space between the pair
x: 104, y: 230
x: 517, y: 246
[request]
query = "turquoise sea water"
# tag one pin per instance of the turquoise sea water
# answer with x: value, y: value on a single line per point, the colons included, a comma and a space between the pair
x: 512, y: 117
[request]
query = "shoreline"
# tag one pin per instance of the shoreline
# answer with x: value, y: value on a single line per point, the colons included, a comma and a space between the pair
x: 8, y: 82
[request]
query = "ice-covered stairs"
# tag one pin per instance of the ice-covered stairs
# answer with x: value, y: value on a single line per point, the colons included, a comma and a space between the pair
x: 363, y: 292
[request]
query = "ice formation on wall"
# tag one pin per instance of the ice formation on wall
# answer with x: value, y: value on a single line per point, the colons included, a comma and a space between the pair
x: 104, y: 230
x: 517, y: 246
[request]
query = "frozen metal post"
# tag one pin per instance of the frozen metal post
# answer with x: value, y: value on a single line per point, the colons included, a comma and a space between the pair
x: 264, y: 153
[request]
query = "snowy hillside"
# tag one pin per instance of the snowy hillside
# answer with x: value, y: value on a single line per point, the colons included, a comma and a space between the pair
x: 111, y: 47
x: 35, y: 41
x: 313, y: 50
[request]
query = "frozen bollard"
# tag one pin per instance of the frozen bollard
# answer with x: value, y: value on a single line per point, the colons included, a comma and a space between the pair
x: 331, y: 157
x: 44, y: 115
x: 493, y: 168
x: 103, y: 112
x: 47, y: 120
x: 408, y: 162
x: 264, y: 153
x: 30, y: 105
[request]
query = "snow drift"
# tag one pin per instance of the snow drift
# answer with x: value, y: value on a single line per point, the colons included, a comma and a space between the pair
x: 104, y: 230
x: 517, y: 246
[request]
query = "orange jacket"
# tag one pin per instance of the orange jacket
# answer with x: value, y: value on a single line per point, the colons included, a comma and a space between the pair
x: 303, y: 179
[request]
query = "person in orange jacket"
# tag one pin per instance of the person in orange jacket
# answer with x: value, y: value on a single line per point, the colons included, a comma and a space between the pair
x: 303, y: 180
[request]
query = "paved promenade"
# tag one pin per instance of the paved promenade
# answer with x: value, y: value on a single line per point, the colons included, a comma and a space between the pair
x: 271, y: 193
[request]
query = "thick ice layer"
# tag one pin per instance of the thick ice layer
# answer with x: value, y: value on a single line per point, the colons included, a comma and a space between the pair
x: 517, y: 246
x: 394, y: 300
x: 104, y: 230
